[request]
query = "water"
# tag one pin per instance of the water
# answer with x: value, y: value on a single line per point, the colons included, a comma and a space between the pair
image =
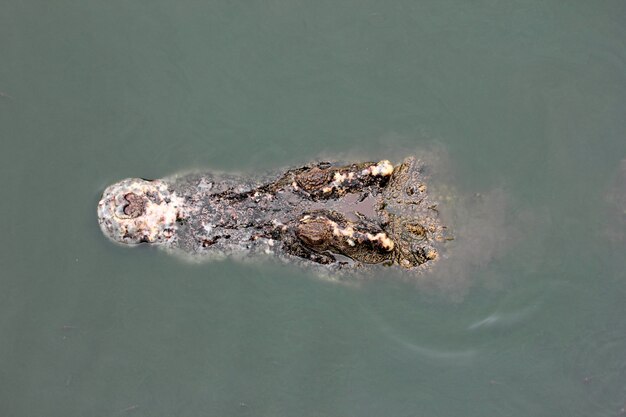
x: 526, y: 101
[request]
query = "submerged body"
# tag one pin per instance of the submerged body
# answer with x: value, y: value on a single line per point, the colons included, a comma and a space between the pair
x: 336, y: 215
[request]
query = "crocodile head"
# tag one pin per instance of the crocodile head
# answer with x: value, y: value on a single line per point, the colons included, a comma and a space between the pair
x: 135, y: 210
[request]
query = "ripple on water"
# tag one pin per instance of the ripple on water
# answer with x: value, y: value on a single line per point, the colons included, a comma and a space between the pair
x: 503, y: 319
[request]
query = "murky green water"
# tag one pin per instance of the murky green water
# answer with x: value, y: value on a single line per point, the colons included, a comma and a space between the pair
x: 527, y: 101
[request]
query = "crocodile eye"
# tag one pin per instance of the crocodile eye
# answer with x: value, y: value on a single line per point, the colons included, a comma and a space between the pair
x: 314, y: 233
x: 312, y: 179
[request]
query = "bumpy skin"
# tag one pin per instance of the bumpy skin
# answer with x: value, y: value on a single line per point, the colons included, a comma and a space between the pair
x: 331, y: 214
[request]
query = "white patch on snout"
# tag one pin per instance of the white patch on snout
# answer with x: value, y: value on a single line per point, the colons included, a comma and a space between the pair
x: 156, y: 223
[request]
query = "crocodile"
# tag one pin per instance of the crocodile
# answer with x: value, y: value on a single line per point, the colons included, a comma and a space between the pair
x: 325, y: 213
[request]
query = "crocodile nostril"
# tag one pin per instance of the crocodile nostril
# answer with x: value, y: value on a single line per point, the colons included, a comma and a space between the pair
x: 135, y: 206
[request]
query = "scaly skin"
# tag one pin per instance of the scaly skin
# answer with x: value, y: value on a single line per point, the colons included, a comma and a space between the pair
x: 337, y: 215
